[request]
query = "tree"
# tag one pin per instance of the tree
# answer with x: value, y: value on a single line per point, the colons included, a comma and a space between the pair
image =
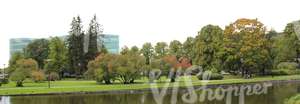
x: 76, y: 48
x: 28, y: 65
x: 125, y: 50
x: 19, y: 76
x: 93, y: 33
x: 38, y: 76
x: 245, y: 46
x: 188, y: 48
x: 13, y: 61
x: 171, y: 62
x: 38, y: 50
x: 272, y: 36
x: 287, y: 45
x: 207, y: 46
x: 24, y: 67
x: 57, y: 56
x: 128, y: 67
x: 134, y: 50
x: 102, y: 68
x: 175, y: 48
x: 161, y: 49
x: 148, y: 51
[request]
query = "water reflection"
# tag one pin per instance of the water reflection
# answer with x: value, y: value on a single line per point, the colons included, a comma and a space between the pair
x: 276, y: 94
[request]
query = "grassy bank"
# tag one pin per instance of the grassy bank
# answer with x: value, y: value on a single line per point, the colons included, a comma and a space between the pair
x: 71, y: 85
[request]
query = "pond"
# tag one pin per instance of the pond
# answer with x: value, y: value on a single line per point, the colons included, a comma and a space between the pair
x: 275, y: 93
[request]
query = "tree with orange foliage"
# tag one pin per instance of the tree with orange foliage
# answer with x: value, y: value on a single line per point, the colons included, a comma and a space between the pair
x: 101, y: 68
x: 245, y: 46
x: 177, y: 66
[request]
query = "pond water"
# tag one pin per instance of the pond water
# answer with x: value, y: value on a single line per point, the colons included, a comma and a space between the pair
x: 275, y: 93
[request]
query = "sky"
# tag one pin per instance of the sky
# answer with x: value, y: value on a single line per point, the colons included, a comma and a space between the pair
x: 136, y: 21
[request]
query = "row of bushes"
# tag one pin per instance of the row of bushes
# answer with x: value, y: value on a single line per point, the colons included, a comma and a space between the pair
x: 286, y: 68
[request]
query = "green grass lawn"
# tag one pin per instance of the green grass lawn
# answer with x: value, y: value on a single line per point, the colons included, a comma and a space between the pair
x: 87, y: 85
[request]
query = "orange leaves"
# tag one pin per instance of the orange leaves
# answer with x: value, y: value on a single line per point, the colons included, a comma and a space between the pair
x: 246, y: 40
x: 27, y: 64
x: 182, y: 62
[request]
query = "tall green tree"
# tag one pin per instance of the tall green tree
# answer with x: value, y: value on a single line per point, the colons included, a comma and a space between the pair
x: 38, y: 50
x: 148, y: 52
x: 175, y: 48
x: 57, y: 57
x: 76, y: 47
x: 161, y: 49
x: 207, y: 46
x: 287, y: 45
x: 93, y: 34
x: 272, y: 36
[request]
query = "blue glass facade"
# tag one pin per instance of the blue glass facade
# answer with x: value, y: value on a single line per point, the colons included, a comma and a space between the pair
x: 17, y: 44
x: 111, y: 43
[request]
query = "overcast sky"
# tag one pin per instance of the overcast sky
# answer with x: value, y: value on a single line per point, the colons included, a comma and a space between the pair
x: 136, y: 21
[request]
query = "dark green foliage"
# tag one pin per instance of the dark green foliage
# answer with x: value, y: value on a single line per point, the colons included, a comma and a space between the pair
x: 161, y: 49
x: 212, y: 76
x: 175, y: 48
x: 38, y: 50
x: 287, y: 46
x: 93, y: 33
x: 278, y: 72
x: 75, y: 47
x: 148, y: 51
x: 57, y: 59
x: 188, y: 48
x: 208, y: 45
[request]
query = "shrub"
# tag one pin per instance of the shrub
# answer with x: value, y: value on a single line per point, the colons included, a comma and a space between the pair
x: 216, y: 76
x: 279, y: 72
x: 210, y: 76
x: 19, y: 75
x: 38, y: 76
x: 99, y: 76
x: 287, y: 66
x: 92, y: 67
x: 53, y: 76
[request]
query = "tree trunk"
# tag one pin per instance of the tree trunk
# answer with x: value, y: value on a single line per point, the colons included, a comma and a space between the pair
x: 131, y: 81
x: 173, y: 77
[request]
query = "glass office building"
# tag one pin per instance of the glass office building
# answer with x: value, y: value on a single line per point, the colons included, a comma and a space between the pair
x: 111, y: 43
x: 17, y: 44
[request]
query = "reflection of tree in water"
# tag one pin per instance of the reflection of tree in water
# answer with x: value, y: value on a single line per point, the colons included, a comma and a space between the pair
x: 298, y: 89
x: 283, y: 91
